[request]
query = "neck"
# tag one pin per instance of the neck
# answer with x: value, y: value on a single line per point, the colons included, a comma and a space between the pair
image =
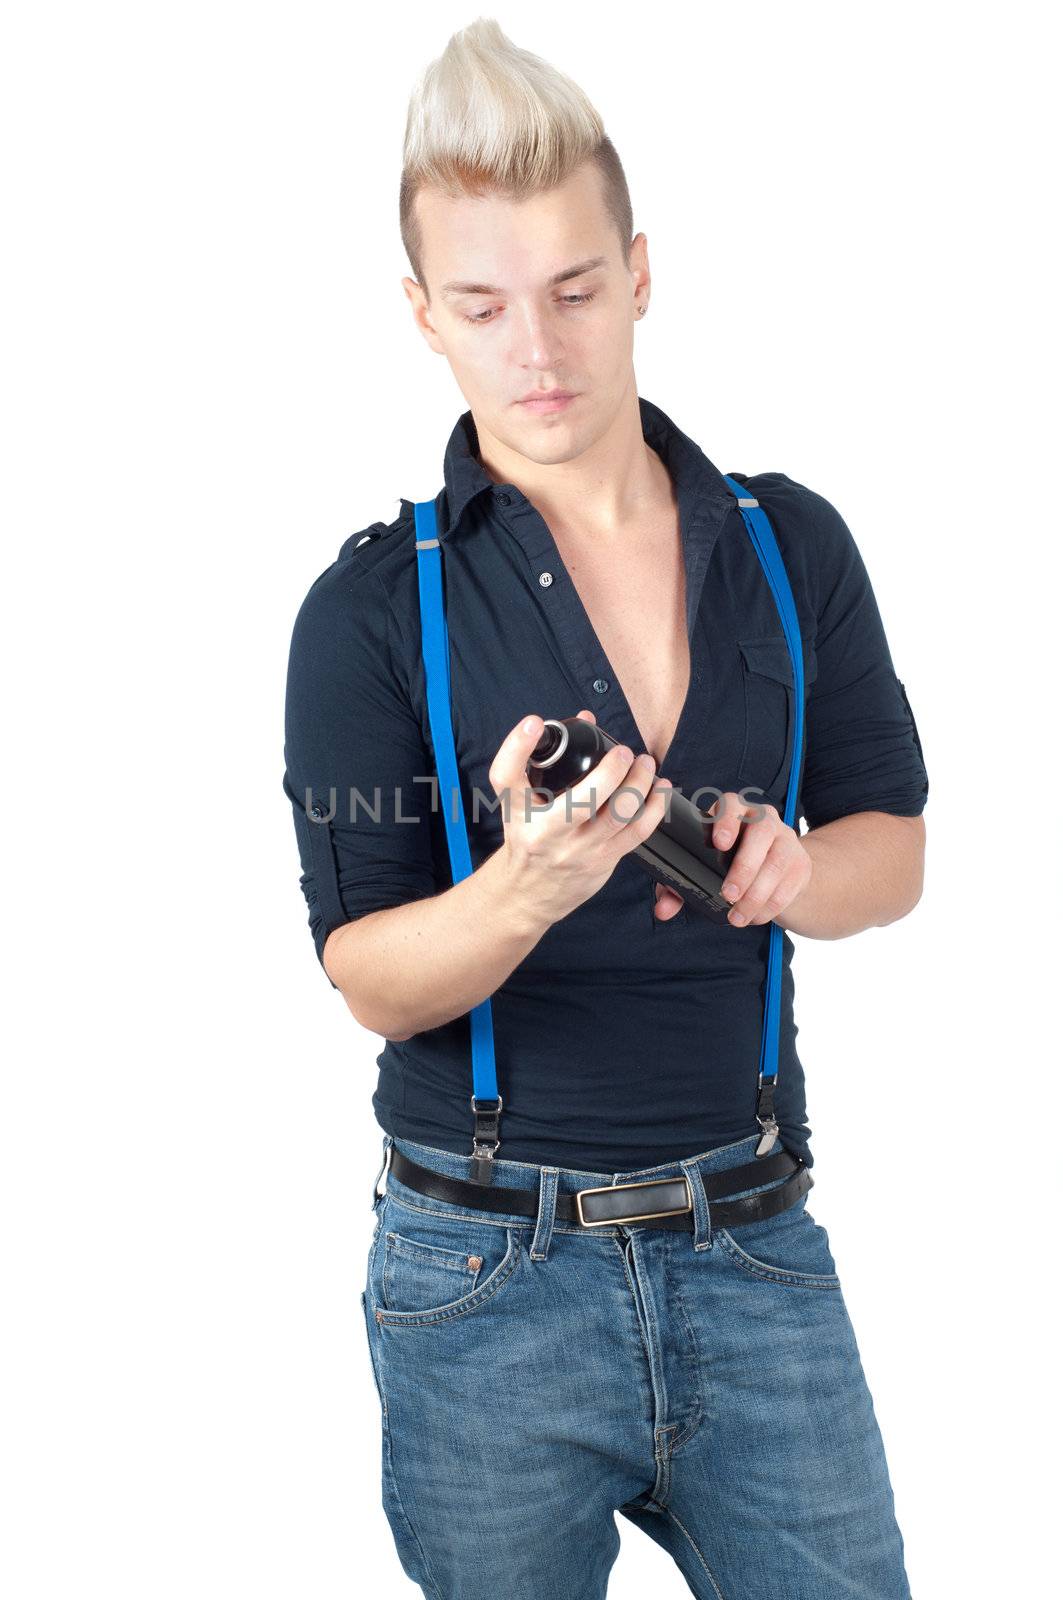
x: 615, y: 484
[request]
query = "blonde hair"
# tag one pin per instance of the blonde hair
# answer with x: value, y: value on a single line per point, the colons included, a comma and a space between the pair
x: 487, y: 117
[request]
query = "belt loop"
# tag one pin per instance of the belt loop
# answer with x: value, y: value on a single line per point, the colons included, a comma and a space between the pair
x: 702, y: 1223
x: 544, y: 1223
x: 388, y: 1142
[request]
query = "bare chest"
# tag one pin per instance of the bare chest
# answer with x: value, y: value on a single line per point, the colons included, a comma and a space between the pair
x: 635, y: 597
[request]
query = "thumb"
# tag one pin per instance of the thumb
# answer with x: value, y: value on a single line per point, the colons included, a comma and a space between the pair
x: 509, y: 768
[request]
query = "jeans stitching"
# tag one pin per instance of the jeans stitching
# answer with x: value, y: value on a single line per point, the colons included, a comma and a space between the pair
x: 402, y: 1249
x: 761, y: 1269
x: 708, y: 1570
x: 487, y: 1290
x: 699, y: 1411
x: 547, y: 1212
x: 389, y: 1475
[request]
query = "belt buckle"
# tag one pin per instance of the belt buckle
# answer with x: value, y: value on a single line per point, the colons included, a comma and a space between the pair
x: 641, y: 1216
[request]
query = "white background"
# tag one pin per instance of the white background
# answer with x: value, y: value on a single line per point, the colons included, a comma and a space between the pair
x: 211, y: 377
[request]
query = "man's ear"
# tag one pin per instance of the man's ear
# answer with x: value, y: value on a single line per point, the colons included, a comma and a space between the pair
x: 639, y: 267
x: 422, y: 314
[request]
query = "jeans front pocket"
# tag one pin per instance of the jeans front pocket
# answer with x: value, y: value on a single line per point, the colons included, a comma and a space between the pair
x: 430, y: 1266
x: 416, y: 1274
x: 791, y: 1248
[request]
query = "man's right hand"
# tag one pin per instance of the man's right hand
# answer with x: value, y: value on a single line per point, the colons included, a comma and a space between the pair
x: 562, y: 850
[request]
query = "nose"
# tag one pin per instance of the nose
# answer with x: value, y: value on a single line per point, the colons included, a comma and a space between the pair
x: 537, y: 342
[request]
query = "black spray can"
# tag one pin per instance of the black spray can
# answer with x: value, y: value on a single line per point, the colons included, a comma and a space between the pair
x: 679, y: 852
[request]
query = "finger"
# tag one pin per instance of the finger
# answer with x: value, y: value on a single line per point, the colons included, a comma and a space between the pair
x: 786, y: 891
x: 669, y: 904
x: 585, y: 802
x: 628, y: 799
x: 624, y: 802
x: 757, y: 902
x: 728, y: 812
x: 648, y: 814
x: 755, y: 842
x: 586, y: 716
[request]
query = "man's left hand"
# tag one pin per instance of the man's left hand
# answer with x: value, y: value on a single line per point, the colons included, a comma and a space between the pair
x: 770, y: 869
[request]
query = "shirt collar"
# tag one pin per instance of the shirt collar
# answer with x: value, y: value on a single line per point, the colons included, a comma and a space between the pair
x: 693, y: 474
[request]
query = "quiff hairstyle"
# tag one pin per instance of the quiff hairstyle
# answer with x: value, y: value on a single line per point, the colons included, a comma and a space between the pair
x: 487, y: 117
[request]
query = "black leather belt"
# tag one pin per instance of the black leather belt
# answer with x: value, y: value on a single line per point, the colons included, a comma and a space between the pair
x: 661, y: 1202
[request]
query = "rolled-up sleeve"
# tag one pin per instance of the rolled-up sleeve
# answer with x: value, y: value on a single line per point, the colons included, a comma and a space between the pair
x: 357, y: 773
x: 863, y: 751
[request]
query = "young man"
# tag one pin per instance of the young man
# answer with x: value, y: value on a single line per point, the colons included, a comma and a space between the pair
x: 544, y: 1356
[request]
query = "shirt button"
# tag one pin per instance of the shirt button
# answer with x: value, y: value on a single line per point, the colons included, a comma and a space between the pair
x: 600, y: 685
x: 546, y: 579
x: 505, y: 499
x: 318, y: 810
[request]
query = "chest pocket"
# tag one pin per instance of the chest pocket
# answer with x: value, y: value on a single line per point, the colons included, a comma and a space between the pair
x: 768, y: 687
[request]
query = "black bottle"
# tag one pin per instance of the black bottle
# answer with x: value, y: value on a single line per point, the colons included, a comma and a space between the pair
x: 679, y: 852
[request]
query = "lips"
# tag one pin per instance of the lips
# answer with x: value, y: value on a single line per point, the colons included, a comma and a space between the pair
x: 556, y: 400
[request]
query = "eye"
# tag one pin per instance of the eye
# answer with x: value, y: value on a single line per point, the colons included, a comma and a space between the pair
x: 568, y: 300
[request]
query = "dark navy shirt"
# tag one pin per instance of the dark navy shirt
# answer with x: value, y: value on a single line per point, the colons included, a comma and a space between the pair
x: 620, y: 1041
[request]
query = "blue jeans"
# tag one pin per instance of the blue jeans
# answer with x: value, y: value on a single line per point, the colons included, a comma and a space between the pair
x: 535, y: 1377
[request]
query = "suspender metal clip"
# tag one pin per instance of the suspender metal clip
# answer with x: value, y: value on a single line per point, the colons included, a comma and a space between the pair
x: 766, y: 1115
x: 485, y: 1140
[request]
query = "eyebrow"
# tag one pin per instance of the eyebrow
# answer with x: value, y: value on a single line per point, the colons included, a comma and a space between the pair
x: 559, y: 277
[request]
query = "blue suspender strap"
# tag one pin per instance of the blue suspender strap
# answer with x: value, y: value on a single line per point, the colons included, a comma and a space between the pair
x: 435, y: 649
x: 761, y: 533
